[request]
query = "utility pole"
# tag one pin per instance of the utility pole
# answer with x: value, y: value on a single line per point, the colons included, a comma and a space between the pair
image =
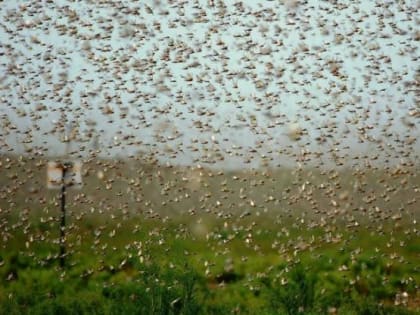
x: 63, y: 175
x: 63, y: 218
x: 65, y: 166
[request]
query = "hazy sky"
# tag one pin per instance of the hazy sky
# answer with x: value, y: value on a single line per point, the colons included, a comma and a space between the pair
x: 228, y: 83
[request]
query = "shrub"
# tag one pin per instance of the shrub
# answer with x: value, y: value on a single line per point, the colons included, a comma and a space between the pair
x: 297, y: 296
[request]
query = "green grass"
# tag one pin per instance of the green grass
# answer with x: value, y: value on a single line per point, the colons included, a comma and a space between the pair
x: 144, y: 241
x: 147, y: 266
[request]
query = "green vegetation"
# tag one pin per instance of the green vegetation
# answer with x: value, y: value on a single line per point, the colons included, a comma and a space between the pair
x: 235, y: 242
x: 161, y: 268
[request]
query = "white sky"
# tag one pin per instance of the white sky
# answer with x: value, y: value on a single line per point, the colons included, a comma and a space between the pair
x: 193, y: 82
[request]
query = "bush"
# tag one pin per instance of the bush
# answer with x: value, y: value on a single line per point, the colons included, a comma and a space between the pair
x: 155, y: 293
x: 297, y: 296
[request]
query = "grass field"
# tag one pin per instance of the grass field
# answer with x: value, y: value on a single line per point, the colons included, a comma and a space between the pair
x: 146, y: 239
